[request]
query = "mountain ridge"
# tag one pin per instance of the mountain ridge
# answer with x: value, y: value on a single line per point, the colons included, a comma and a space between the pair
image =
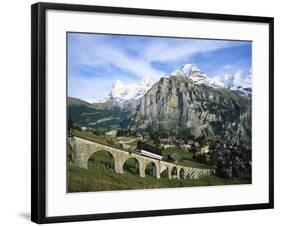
x: 185, y: 103
x: 123, y: 93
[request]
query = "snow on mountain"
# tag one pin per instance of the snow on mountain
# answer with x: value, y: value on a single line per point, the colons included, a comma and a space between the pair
x: 194, y: 73
x: 123, y: 92
x: 241, y: 81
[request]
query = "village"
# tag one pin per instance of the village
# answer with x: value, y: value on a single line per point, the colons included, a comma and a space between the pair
x: 227, y: 161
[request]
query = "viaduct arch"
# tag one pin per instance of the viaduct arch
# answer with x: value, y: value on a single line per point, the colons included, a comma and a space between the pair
x: 83, y: 149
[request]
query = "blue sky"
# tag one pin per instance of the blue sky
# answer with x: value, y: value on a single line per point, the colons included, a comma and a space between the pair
x: 95, y: 61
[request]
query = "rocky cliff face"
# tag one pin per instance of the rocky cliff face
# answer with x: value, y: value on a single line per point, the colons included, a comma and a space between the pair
x: 178, y: 105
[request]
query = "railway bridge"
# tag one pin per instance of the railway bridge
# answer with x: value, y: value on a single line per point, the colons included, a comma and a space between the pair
x: 82, y: 150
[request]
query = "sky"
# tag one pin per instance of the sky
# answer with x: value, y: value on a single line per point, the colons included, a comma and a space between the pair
x: 96, y: 61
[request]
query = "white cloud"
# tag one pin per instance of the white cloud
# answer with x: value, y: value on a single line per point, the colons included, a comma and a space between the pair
x: 95, y: 51
x: 104, y: 54
x: 171, y: 51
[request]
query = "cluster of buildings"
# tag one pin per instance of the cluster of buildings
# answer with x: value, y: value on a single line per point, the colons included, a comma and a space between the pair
x: 228, y: 160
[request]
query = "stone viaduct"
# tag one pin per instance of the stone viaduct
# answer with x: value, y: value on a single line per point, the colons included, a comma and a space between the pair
x: 82, y: 149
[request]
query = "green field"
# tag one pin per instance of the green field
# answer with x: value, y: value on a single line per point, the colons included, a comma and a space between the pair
x: 129, y: 143
x: 103, y: 139
x: 185, y: 158
x: 101, y: 177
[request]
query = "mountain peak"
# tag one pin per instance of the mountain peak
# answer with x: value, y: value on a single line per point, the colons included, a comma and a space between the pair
x: 193, y: 72
x: 123, y: 92
x: 240, y: 81
x: 187, y: 70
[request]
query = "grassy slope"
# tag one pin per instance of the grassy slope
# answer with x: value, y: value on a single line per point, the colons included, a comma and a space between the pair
x: 92, y: 137
x: 95, y: 179
x: 83, y: 113
x: 186, y: 158
x: 100, y: 177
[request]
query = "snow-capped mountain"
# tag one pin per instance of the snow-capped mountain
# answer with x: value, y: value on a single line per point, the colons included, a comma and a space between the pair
x: 241, y: 81
x: 123, y: 92
x: 194, y: 73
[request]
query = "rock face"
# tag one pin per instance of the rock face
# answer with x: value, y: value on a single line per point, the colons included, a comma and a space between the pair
x: 178, y: 105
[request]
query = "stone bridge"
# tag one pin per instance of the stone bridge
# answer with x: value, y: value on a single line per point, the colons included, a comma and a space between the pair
x: 82, y: 150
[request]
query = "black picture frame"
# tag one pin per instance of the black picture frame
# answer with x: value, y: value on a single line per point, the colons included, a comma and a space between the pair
x: 38, y: 111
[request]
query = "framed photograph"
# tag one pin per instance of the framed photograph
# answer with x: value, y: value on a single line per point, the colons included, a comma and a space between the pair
x: 140, y: 112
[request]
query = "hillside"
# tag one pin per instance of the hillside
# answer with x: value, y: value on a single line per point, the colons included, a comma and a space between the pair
x: 98, y: 116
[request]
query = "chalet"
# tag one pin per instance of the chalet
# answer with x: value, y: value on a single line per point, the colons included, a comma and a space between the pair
x: 166, y: 141
x: 204, y: 149
x: 166, y: 146
x: 174, y: 157
x: 185, y: 147
x: 149, y: 150
x: 179, y: 142
x: 112, y: 133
